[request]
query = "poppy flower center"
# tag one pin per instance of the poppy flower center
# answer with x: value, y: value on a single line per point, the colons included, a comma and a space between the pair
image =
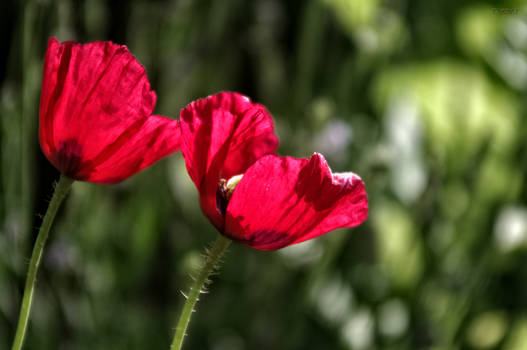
x: 224, y: 192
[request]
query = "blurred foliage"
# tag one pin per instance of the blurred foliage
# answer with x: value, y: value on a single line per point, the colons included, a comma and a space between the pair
x: 425, y: 100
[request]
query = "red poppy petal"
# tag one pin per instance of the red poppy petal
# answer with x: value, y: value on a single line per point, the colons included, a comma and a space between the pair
x: 157, y: 137
x: 282, y: 200
x: 91, y: 95
x: 222, y: 135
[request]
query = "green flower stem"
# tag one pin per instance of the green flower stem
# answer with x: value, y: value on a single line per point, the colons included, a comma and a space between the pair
x: 213, y: 259
x: 61, y: 189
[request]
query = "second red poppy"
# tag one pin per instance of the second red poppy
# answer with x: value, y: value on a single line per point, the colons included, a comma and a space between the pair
x: 251, y: 195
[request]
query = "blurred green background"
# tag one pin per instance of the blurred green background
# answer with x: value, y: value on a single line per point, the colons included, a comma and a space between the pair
x: 425, y: 100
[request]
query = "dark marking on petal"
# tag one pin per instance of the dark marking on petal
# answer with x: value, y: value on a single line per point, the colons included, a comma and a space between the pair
x: 70, y: 160
x: 69, y: 157
x: 265, y: 239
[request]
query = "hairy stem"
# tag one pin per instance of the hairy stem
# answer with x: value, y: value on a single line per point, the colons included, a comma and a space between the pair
x: 61, y: 189
x: 212, y: 261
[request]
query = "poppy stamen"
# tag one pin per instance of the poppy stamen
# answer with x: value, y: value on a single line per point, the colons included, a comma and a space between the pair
x: 224, y: 192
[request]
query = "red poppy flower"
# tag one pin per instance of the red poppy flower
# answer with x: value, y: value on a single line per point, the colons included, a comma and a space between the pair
x: 253, y: 196
x: 95, y: 113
